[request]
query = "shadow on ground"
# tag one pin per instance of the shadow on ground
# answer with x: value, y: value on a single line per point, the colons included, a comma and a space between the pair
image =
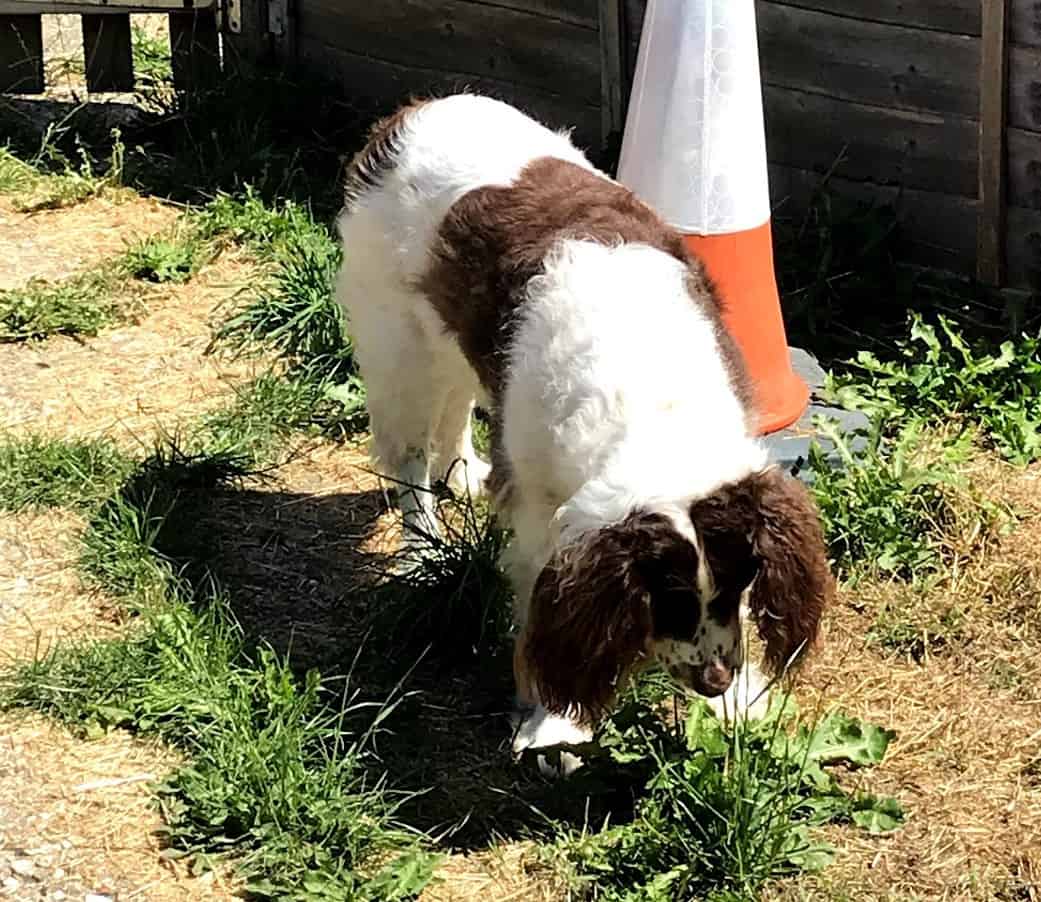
x: 300, y: 573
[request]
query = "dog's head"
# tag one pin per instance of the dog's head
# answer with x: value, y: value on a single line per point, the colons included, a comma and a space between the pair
x: 669, y: 586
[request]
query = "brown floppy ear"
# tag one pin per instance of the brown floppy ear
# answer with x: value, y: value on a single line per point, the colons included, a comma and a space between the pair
x: 795, y: 583
x: 589, y: 620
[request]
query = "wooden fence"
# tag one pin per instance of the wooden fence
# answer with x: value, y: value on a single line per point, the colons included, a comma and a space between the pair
x: 107, y: 57
x: 933, y: 105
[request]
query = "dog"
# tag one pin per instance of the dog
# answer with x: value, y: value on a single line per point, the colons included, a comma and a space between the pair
x: 486, y: 260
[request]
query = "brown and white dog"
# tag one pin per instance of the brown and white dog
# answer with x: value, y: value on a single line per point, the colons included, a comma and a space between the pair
x: 484, y: 257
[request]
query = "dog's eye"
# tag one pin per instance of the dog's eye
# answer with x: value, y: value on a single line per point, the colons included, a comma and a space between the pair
x: 676, y: 612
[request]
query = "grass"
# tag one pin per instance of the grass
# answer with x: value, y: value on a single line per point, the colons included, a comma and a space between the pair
x: 45, y: 471
x: 898, y: 508
x: 80, y: 305
x: 128, y: 538
x: 52, y: 178
x: 281, y: 772
x: 172, y: 257
x: 445, y: 596
x: 723, y: 806
x: 151, y: 56
x: 293, y: 314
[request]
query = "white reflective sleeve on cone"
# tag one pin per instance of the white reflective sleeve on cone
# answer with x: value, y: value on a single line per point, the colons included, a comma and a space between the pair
x: 694, y: 145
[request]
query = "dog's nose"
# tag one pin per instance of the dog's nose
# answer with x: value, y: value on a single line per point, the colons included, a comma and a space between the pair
x: 714, y: 678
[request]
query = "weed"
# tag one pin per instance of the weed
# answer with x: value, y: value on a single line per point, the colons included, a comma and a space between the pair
x: 726, y: 805
x: 294, y: 314
x: 446, y: 595
x: 247, y: 220
x: 80, y: 305
x: 897, y: 507
x: 16, y: 176
x: 942, y: 376
x: 174, y: 257
x: 152, y: 62
x: 275, y: 405
x: 280, y: 774
x: 58, y: 181
x: 42, y: 471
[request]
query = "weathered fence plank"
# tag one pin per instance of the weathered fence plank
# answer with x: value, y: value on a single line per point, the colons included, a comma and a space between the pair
x: 954, y: 16
x: 612, y: 72
x: 1024, y: 169
x: 1026, y: 22
x: 933, y: 153
x: 937, y: 229
x: 107, y: 55
x: 1023, y: 248
x: 194, y: 50
x: 464, y: 37
x: 1025, y: 88
x: 380, y: 84
x: 869, y: 62
x: 21, y: 54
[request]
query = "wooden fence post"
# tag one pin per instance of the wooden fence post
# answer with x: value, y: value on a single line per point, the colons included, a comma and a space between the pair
x: 990, y: 232
x: 106, y: 52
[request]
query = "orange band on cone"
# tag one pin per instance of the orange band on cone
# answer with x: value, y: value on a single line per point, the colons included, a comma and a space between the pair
x: 741, y: 265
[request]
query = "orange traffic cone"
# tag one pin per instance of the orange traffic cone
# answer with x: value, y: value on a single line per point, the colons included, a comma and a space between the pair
x: 694, y: 147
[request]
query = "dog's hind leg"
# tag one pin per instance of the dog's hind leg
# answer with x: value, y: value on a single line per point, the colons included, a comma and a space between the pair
x: 403, y: 391
x: 454, y: 453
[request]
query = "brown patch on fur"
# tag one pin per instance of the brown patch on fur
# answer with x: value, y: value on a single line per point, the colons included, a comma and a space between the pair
x: 770, y: 519
x: 370, y: 164
x: 596, y: 607
x: 495, y: 239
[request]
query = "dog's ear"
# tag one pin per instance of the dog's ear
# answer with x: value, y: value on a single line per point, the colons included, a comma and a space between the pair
x: 794, y: 584
x: 590, y: 621
x: 766, y: 529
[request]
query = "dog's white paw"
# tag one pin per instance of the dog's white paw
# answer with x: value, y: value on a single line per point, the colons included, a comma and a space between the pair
x: 539, y: 729
x: 467, y: 477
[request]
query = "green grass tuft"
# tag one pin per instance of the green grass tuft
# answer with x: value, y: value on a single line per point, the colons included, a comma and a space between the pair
x: 80, y: 305
x: 50, y: 179
x: 275, y: 405
x: 247, y: 220
x: 174, y: 257
x: 43, y: 471
x: 153, y: 69
x: 724, y: 806
x: 898, y: 507
x: 447, y: 597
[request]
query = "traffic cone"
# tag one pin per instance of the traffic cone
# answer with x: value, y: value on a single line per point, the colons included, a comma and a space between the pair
x: 694, y: 147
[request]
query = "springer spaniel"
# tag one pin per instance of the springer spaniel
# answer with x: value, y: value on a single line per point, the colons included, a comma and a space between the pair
x: 484, y: 257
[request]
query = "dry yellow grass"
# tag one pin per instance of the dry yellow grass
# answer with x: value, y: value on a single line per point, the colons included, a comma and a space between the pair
x: 55, y: 244
x: 130, y: 382
x: 83, y: 816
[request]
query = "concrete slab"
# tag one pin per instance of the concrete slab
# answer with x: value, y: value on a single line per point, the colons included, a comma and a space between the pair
x: 791, y: 447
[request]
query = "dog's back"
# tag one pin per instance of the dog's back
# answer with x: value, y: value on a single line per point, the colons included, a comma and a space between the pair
x: 422, y: 159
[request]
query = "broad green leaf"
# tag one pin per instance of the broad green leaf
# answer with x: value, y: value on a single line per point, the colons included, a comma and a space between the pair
x: 841, y: 738
x: 878, y: 815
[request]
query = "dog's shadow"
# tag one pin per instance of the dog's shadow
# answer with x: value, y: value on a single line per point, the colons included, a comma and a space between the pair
x: 299, y: 572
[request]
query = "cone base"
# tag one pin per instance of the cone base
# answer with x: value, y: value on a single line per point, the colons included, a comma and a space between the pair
x: 741, y: 266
